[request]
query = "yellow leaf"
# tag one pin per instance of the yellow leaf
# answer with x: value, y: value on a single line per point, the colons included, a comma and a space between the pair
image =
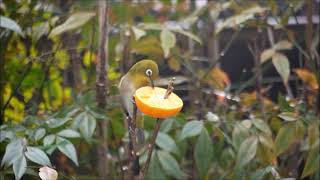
x: 75, y: 21
x: 248, y: 99
x: 7, y: 92
x: 67, y: 95
x: 307, y: 77
x: 218, y: 78
x: 53, y: 95
x: 89, y: 58
x: 149, y: 46
x: 56, y: 92
x: 138, y: 33
x: 27, y: 94
x: 112, y: 74
x: 282, y: 65
x: 284, y: 44
x: 33, y: 52
x: 16, y: 110
x: 61, y: 59
x: 266, y: 55
x: 174, y: 64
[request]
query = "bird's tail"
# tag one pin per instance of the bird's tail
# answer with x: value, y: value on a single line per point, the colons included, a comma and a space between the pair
x: 139, y: 130
x: 140, y: 136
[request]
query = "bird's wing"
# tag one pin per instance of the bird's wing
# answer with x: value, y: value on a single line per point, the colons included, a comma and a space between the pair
x: 126, y: 90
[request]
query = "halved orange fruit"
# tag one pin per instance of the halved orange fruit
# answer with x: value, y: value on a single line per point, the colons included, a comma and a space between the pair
x: 151, y: 102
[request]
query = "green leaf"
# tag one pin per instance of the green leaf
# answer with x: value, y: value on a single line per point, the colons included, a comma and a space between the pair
x: 192, y: 128
x: 246, y: 123
x: 39, y: 134
x: 188, y: 34
x: 97, y: 114
x: 166, y: 142
x: 169, y: 164
x: 300, y: 130
x: 74, y: 21
x: 283, y: 45
x: 48, y: 140
x: 312, y: 163
x: 19, y: 167
x: 157, y: 26
x: 313, y: 135
x: 193, y: 17
x: 77, y: 120
x: 38, y: 156
x: 3, y: 135
x: 266, y: 55
x: 13, y: 151
x: 239, y: 134
x: 138, y: 33
x: 67, y: 148
x: 168, y: 41
x: 285, y: 137
x: 155, y: 172
x: 266, y: 140
x: 51, y: 149
x: 259, y: 174
x: 151, y: 26
x: 211, y: 117
x: 56, y: 122
x: 247, y: 151
x: 40, y: 30
x: 281, y: 63
x: 203, y: 153
x: 167, y: 125
x: 261, y: 125
x: 240, y: 18
x: 70, y: 133
x: 10, y: 24
x: 288, y: 116
x: 87, y: 126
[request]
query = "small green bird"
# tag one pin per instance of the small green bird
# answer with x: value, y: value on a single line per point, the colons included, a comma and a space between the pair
x: 143, y: 73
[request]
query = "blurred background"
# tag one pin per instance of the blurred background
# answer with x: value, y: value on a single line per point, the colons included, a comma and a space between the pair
x: 248, y: 72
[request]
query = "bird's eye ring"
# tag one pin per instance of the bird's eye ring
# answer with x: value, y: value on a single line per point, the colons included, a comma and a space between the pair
x: 149, y: 72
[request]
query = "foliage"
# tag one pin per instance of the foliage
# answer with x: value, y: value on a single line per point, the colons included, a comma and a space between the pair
x: 225, y: 131
x: 38, y: 137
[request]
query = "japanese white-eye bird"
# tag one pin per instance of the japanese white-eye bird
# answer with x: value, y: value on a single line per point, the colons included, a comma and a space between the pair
x: 143, y: 73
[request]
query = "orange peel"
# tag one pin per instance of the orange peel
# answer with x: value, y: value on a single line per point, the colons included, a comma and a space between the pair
x: 151, y: 102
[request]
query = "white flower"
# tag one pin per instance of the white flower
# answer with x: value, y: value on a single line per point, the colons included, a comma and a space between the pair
x: 47, y: 173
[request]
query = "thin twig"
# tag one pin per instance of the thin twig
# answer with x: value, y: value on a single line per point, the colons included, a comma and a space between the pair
x: 132, y: 152
x: 216, y: 60
x: 151, y: 147
x: 155, y: 133
x: 169, y: 89
x: 223, y: 52
x: 255, y: 52
x: 133, y: 156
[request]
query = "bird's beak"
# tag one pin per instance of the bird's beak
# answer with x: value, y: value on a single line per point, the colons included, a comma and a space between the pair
x: 151, y: 82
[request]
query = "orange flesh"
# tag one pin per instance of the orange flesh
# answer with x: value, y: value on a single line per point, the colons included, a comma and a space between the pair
x: 151, y: 102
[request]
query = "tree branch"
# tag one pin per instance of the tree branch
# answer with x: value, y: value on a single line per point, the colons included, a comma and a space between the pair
x: 101, y: 85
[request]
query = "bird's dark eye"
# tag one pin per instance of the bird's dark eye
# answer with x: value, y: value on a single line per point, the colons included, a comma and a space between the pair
x: 149, y: 72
